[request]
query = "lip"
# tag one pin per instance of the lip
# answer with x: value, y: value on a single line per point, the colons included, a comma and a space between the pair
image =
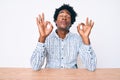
x: 63, y: 22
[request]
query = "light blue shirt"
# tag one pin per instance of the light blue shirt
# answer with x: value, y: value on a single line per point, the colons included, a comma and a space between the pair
x: 63, y: 53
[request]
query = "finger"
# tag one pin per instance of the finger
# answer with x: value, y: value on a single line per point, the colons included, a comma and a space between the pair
x: 51, y: 27
x: 92, y: 24
x: 78, y: 27
x: 81, y: 26
x: 80, y: 31
x: 46, y: 24
x: 87, y: 23
x: 42, y: 17
x: 37, y: 21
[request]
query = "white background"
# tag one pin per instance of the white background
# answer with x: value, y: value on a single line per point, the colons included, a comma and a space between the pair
x: 19, y: 32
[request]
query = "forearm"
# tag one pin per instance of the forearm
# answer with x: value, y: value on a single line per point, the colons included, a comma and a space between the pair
x: 41, y: 39
x: 86, y: 40
x: 88, y: 57
x: 38, y: 56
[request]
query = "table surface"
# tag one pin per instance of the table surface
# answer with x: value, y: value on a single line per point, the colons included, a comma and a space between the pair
x: 59, y: 74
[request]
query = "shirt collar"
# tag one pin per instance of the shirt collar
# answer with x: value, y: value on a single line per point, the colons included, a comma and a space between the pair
x: 56, y: 35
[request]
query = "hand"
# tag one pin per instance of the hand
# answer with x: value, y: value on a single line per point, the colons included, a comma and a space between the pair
x: 44, y: 31
x: 85, y: 29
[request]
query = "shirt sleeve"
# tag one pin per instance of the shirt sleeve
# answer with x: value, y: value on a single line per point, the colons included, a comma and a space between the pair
x: 88, y: 57
x: 38, y: 56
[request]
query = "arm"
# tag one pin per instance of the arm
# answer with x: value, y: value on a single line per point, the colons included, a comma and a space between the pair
x: 88, y: 57
x: 39, y: 53
x: 38, y: 56
x: 86, y: 52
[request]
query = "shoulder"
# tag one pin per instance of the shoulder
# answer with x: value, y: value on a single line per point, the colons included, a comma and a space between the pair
x: 75, y: 36
x: 51, y: 36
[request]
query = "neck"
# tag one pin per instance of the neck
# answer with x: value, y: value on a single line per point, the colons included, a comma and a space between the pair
x: 62, y: 33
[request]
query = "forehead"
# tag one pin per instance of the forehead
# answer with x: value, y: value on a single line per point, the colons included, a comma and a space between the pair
x: 65, y: 11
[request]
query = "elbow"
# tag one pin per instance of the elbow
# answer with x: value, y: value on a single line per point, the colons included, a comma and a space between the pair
x: 92, y: 66
x: 92, y: 69
x: 36, y: 69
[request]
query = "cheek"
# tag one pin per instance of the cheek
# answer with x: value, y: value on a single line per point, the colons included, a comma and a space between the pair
x: 57, y: 22
x: 69, y: 20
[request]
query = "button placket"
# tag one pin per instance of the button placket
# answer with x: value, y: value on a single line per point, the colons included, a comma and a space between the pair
x: 62, y: 44
x: 62, y: 54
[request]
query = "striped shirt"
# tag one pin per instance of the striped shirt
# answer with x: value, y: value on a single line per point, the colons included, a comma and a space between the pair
x: 63, y: 53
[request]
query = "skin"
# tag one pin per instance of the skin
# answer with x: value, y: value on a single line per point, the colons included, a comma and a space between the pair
x: 63, y: 23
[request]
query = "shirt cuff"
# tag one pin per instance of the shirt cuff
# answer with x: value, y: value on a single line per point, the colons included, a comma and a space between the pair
x: 87, y: 47
x: 40, y: 45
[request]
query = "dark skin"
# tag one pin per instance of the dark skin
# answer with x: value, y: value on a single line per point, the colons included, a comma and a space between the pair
x: 63, y: 23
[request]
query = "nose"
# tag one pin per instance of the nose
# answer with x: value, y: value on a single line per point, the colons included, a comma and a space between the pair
x: 64, y: 17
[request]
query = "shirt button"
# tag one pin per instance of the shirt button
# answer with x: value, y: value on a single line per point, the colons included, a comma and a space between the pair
x: 62, y: 58
x: 91, y: 53
x: 61, y: 66
x: 91, y: 58
x: 89, y: 48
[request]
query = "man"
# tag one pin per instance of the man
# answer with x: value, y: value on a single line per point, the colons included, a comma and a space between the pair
x: 61, y: 47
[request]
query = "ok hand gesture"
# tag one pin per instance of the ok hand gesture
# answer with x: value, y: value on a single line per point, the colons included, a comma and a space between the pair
x: 44, y: 31
x: 85, y: 29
